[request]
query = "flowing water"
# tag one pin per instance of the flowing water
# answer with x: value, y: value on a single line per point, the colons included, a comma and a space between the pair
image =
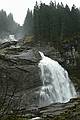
x: 57, y: 86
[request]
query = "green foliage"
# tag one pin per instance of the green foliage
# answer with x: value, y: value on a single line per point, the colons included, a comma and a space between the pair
x: 7, y: 23
x: 28, y: 23
x: 54, y: 22
x: 3, y: 21
x: 12, y: 25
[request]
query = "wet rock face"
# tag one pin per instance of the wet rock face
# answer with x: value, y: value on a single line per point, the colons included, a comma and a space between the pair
x: 19, y: 73
x: 19, y: 66
x: 22, y: 69
x: 67, y: 111
x: 57, y: 111
x: 20, y: 63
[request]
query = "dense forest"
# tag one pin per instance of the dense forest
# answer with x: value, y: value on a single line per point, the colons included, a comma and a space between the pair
x: 7, y: 24
x: 52, y: 23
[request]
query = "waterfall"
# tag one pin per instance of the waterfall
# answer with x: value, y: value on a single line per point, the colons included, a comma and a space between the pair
x: 57, y: 86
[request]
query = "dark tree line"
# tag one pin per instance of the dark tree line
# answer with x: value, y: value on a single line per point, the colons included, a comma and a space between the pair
x: 55, y: 21
x: 52, y: 22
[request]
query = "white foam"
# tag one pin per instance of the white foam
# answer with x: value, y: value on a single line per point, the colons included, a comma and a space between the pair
x: 57, y: 86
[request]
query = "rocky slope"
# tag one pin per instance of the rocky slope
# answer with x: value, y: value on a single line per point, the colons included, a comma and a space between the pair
x: 66, y: 111
x: 20, y: 78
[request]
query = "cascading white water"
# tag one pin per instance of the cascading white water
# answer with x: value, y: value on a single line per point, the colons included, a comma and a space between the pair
x: 57, y: 86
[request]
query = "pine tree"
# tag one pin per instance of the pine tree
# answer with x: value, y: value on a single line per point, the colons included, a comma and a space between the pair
x: 28, y: 23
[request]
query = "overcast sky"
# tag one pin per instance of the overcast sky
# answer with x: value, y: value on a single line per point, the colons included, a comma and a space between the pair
x: 19, y: 7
